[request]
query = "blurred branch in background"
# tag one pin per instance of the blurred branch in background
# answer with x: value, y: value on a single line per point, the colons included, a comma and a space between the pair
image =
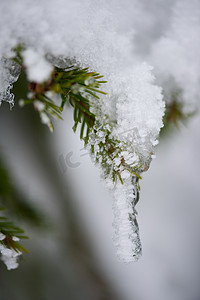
x: 15, y: 201
x: 175, y: 113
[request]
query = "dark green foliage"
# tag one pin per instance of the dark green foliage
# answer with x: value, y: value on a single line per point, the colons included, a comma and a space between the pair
x: 174, y: 112
x: 9, y: 230
x: 77, y: 86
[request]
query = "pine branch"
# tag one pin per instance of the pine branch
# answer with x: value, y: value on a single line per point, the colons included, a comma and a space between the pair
x: 76, y: 86
x: 11, y: 232
x: 10, y: 247
x: 117, y: 158
x: 80, y: 88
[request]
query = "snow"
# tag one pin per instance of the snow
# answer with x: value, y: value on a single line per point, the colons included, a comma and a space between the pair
x: 9, y: 256
x: 39, y: 105
x: 102, y: 36
x: 38, y: 68
x: 110, y: 36
x: 2, y: 236
x: 175, y: 55
x: 15, y: 239
x: 46, y: 120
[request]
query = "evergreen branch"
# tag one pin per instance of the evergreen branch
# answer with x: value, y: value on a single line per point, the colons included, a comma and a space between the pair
x: 75, y: 86
x: 109, y: 151
x: 11, y: 232
x: 80, y: 88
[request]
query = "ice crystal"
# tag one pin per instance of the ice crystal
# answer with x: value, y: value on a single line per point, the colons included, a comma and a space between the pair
x: 9, y: 73
x: 126, y: 231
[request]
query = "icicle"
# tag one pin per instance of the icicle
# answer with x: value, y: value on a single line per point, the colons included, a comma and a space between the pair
x: 126, y: 230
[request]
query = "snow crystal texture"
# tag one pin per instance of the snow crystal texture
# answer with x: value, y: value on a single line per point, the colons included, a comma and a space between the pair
x: 98, y: 35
